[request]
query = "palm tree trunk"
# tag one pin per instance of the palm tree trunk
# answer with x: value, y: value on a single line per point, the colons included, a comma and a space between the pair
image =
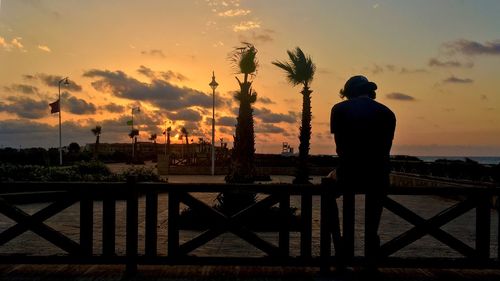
x: 302, y: 172
x: 96, y: 148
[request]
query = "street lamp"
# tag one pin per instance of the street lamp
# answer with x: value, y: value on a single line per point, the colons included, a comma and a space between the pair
x: 213, y: 85
x: 138, y: 109
x: 66, y: 83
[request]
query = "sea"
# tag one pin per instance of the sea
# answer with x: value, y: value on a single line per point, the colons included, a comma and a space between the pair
x: 485, y: 160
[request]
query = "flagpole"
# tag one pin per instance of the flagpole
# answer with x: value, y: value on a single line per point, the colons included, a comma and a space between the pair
x: 65, y: 80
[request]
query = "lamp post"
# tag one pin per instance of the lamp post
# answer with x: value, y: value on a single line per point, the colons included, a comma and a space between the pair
x: 66, y: 82
x: 138, y: 109
x: 213, y: 85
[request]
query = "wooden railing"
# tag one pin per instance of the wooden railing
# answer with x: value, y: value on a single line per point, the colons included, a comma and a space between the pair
x: 63, y: 195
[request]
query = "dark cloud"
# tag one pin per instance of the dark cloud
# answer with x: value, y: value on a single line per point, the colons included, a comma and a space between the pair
x: 433, y: 62
x: 268, y: 116
x: 456, y: 80
x: 264, y: 36
x: 25, y: 107
x: 471, y: 48
x: 400, y: 96
x: 22, y: 88
x: 76, y: 106
x: 226, y: 121
x: 154, y: 52
x: 185, y: 115
x: 265, y: 100
x: 159, y: 92
x: 378, y: 69
x: 163, y: 75
x: 114, y: 108
x: 266, y: 128
x: 53, y: 81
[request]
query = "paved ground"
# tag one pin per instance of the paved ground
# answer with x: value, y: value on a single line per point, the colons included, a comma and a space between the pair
x: 178, y: 273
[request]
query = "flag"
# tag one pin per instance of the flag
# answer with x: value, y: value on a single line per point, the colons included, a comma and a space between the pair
x: 55, y: 107
x: 130, y: 123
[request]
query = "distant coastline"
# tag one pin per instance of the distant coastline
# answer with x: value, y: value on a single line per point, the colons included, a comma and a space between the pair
x: 485, y: 160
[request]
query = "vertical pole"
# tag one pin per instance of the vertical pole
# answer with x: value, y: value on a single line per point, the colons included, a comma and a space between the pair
x: 325, y: 240
x: 165, y: 139
x: 131, y: 226
x: 60, y: 138
x: 306, y: 225
x: 133, y: 136
x: 284, y: 229
x: 213, y: 132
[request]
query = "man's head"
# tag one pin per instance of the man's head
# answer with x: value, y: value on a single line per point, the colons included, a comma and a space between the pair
x: 358, y: 86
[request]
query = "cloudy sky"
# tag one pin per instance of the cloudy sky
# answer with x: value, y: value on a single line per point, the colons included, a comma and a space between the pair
x: 436, y: 64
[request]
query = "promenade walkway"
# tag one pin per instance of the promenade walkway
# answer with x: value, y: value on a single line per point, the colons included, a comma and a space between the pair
x: 220, y: 273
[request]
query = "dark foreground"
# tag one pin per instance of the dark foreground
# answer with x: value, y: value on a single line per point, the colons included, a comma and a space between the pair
x: 94, y: 272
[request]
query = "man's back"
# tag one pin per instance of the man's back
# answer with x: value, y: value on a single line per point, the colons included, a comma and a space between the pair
x: 363, y: 130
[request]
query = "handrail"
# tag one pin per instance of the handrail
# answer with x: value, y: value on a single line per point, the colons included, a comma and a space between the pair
x: 277, y: 194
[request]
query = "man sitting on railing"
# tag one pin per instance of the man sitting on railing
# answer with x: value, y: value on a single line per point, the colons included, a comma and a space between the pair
x: 363, y: 131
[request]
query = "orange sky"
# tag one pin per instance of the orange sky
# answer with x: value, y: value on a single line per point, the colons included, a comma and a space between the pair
x: 435, y: 62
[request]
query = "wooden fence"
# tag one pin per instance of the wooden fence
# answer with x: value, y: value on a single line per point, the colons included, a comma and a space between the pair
x: 64, y: 194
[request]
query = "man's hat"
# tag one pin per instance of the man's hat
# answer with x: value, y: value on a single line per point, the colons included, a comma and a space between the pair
x: 358, y: 85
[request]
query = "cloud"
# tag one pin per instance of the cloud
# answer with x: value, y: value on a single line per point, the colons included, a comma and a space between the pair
x: 154, y: 53
x: 268, y: 129
x: 114, y: 108
x: 378, y: 69
x: 163, y: 75
x: 25, y: 107
x: 472, y: 48
x: 185, y: 115
x: 234, y: 13
x: 159, y: 92
x: 265, y: 100
x: 44, y: 48
x: 226, y: 121
x: 263, y: 36
x: 246, y: 25
x: 14, y: 43
x: 433, y: 62
x: 53, y: 81
x: 400, y: 96
x: 267, y: 116
x: 22, y: 88
x: 76, y: 106
x: 456, y: 80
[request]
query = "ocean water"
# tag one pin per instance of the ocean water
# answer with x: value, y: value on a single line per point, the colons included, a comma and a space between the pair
x: 485, y: 160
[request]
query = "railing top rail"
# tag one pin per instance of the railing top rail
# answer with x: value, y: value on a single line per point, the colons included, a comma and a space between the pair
x: 161, y: 187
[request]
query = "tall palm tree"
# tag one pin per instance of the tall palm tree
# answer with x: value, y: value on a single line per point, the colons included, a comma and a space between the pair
x: 97, y: 133
x: 133, y: 135
x: 184, y: 132
x: 169, y: 129
x: 300, y: 71
x: 242, y: 164
x: 153, y: 137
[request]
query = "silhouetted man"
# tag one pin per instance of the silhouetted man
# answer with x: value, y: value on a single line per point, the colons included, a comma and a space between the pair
x: 363, y: 130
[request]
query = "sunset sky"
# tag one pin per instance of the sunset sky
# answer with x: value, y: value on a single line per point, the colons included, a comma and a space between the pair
x: 436, y: 63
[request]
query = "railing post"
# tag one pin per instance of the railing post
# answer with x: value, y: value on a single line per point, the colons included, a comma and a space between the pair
x: 108, y: 225
x: 86, y: 224
x: 173, y: 223
x: 325, y: 238
x: 284, y: 232
x: 348, y: 225
x: 483, y: 219
x: 306, y: 225
x: 132, y: 225
x: 151, y: 223
x: 371, y: 225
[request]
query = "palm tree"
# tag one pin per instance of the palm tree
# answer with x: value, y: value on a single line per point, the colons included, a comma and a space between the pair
x: 300, y: 70
x: 242, y: 169
x: 97, y: 133
x: 153, y: 137
x: 169, y: 129
x: 133, y: 135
